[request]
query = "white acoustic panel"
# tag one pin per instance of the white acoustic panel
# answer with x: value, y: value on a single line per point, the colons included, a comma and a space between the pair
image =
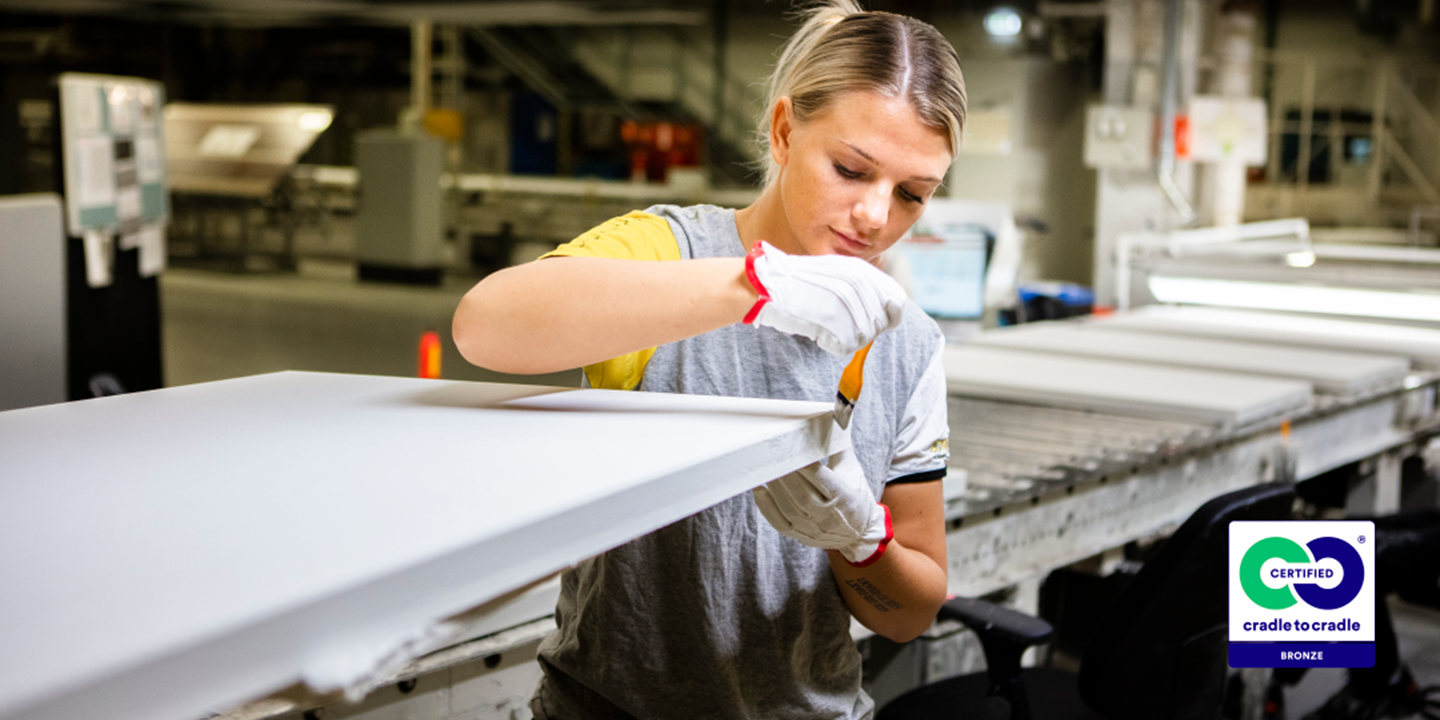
x: 172, y: 553
x: 1421, y: 345
x: 1120, y: 387
x: 1330, y: 371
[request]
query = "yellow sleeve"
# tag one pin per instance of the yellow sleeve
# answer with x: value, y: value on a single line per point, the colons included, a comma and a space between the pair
x: 634, y: 236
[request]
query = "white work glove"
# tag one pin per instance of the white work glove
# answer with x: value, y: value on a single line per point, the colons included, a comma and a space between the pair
x: 840, y: 302
x: 829, y: 506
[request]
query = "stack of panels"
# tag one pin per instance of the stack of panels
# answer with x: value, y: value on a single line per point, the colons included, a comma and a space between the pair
x: 1186, y: 395
x: 1421, y: 345
x: 1330, y: 371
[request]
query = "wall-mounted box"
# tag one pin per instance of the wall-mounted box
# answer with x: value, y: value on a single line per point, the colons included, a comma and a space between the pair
x: 1119, y: 137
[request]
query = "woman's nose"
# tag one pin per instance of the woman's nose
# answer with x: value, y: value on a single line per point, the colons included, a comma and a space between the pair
x: 872, y: 209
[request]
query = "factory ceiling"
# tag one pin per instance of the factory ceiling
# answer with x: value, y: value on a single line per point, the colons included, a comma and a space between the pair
x: 309, y: 12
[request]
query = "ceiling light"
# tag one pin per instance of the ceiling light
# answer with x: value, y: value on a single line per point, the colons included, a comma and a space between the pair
x: 1356, y: 302
x: 314, y: 120
x: 1302, y: 259
x: 1003, y: 22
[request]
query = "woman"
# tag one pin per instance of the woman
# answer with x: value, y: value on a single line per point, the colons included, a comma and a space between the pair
x: 743, y: 611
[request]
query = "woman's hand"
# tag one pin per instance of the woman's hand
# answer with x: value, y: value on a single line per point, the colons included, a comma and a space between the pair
x: 888, y: 557
x: 829, y: 505
x: 898, y: 595
x: 840, y: 302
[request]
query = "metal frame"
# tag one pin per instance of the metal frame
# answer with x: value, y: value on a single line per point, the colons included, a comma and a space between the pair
x: 1038, y: 525
x: 1391, y: 103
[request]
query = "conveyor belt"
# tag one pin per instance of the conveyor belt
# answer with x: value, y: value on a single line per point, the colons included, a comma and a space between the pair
x: 1025, y: 423
x: 1013, y: 451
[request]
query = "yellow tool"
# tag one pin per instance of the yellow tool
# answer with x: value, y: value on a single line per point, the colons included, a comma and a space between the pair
x: 850, y: 383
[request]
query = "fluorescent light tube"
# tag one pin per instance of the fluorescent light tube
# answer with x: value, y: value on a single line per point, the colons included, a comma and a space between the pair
x: 1297, y: 298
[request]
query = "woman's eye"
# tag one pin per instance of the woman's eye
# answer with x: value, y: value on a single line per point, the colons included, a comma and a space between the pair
x: 846, y: 172
x: 908, y: 196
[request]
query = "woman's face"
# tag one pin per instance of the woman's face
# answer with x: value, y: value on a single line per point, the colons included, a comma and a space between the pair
x: 857, y: 175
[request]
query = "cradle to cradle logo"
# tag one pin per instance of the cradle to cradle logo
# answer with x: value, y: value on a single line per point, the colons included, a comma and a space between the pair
x: 1302, y: 594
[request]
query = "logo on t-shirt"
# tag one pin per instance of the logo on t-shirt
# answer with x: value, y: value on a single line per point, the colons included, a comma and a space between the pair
x: 940, y: 449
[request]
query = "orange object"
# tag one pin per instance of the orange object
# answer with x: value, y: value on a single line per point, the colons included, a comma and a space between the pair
x: 430, y: 355
x: 445, y: 124
x: 854, y: 376
x: 850, y: 383
x: 1182, y: 137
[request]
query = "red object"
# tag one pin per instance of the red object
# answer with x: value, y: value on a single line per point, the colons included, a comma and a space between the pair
x: 889, y: 535
x: 657, y: 147
x: 1182, y: 137
x: 750, y: 257
x: 430, y: 355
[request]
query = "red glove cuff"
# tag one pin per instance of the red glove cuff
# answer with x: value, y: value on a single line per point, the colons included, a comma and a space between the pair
x: 750, y: 257
x: 889, y: 535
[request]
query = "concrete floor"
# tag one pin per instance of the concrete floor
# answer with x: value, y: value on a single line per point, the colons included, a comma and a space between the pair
x: 221, y: 325
x: 1418, y: 630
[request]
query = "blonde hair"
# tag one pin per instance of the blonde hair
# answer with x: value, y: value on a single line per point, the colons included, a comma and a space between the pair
x: 841, y: 48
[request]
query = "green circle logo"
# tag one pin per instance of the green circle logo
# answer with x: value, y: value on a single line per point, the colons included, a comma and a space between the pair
x: 1254, y: 587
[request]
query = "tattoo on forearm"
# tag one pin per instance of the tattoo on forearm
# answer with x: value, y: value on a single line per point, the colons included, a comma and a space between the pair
x: 871, y: 594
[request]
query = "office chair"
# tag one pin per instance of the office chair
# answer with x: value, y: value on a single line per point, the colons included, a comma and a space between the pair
x: 1159, y: 652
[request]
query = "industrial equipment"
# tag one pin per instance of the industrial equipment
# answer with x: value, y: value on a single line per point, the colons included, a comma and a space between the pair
x: 399, y: 220
x: 226, y: 161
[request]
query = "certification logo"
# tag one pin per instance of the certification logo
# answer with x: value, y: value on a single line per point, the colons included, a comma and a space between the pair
x: 1302, y: 594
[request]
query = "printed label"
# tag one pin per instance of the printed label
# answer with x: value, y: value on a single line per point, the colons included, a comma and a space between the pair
x: 1302, y: 594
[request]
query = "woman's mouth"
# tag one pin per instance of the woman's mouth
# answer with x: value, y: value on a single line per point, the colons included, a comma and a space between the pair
x: 849, y: 244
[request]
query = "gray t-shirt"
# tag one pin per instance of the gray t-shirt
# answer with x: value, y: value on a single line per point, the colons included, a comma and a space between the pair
x: 718, y: 615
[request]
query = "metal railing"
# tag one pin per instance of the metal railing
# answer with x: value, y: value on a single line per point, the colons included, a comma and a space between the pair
x: 1329, y: 116
x: 687, y: 60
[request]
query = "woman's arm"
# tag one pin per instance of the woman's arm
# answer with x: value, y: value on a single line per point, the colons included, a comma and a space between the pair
x: 566, y: 312
x: 899, y: 595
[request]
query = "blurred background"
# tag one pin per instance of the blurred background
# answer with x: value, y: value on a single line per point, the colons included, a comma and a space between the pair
x: 541, y: 119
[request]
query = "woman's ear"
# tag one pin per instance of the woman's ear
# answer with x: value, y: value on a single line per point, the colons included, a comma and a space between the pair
x: 782, y: 123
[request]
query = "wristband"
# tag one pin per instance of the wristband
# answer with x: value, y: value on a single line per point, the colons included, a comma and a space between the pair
x: 755, y: 252
x: 875, y: 556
